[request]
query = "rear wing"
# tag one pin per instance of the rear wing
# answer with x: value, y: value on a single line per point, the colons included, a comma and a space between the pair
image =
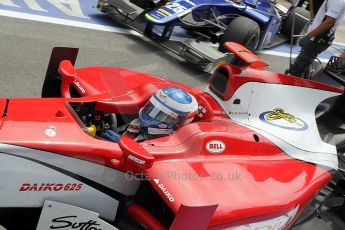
x: 245, y: 55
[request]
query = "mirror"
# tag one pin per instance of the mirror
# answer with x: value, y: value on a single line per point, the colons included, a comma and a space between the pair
x: 134, y: 157
x: 67, y: 70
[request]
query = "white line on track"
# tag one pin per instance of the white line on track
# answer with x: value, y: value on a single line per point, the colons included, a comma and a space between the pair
x: 59, y: 21
x: 85, y: 25
x: 92, y: 26
x: 339, y: 43
x: 281, y: 54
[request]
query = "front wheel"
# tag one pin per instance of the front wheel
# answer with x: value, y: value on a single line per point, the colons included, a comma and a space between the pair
x: 242, y: 30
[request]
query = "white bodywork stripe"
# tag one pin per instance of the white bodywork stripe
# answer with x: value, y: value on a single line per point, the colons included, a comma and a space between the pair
x: 301, y: 102
x: 15, y: 171
x: 101, y: 174
x: 329, y: 159
x: 56, y: 215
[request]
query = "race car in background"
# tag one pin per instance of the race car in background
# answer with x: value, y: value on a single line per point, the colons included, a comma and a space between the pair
x: 259, y: 150
x: 256, y: 24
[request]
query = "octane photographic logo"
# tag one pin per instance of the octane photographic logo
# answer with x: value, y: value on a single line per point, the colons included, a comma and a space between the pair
x: 234, y: 176
x: 279, y: 118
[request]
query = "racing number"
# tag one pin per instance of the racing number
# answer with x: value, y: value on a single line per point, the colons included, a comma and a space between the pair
x: 72, y: 187
x: 176, y: 7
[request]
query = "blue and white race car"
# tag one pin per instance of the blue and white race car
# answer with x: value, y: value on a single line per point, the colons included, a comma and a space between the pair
x: 256, y: 24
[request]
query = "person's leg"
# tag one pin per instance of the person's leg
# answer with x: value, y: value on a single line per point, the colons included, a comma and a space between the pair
x: 300, y: 64
x: 303, y: 60
x: 308, y: 54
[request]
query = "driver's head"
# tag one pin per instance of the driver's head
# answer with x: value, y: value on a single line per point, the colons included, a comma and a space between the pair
x: 167, y: 110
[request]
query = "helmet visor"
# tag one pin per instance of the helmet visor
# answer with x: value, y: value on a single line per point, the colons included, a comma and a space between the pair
x: 167, y: 116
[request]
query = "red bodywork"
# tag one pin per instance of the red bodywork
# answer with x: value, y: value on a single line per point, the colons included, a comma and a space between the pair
x: 252, y: 180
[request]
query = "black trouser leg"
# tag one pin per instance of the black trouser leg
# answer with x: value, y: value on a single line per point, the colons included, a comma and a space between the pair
x: 308, y: 53
x: 301, y: 64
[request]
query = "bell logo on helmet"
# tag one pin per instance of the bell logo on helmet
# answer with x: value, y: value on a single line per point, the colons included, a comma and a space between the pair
x: 215, y: 146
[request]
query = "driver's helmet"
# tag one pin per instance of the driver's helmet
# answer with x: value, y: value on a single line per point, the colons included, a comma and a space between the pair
x: 167, y: 110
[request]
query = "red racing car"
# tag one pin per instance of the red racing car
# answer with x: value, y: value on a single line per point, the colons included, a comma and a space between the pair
x: 258, y: 152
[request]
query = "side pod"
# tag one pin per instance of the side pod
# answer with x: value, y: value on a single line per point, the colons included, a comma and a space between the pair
x: 52, y: 82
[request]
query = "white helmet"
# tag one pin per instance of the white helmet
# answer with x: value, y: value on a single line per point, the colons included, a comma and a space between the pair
x: 167, y: 110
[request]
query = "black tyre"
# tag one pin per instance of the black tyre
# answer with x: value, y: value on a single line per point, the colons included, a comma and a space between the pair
x: 302, y: 19
x: 242, y: 30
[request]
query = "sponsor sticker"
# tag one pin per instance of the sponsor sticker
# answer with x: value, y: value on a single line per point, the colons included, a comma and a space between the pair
x: 174, y: 7
x: 156, y: 131
x: 201, y: 111
x: 164, y: 190
x: 51, y: 131
x: 215, y: 146
x: 279, y: 118
x: 51, y: 187
x: 136, y: 160
x: 80, y: 87
x: 56, y: 215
